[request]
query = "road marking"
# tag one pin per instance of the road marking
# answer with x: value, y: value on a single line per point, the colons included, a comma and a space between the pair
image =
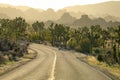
x: 52, y: 76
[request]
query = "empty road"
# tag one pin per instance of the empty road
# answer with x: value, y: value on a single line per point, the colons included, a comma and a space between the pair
x: 54, y: 64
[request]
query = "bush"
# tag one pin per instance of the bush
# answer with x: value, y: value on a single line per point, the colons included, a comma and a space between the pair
x: 2, y: 59
x: 108, y: 57
x: 100, y: 58
x: 119, y: 57
x: 71, y: 43
x: 85, y: 45
x: 78, y: 48
x: 97, y: 51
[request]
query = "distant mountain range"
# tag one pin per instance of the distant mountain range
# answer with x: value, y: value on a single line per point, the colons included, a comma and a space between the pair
x: 100, y: 9
x: 101, y: 13
x: 85, y: 20
x: 66, y: 18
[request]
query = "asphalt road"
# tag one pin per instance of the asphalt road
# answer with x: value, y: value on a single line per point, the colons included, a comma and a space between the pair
x: 54, y: 64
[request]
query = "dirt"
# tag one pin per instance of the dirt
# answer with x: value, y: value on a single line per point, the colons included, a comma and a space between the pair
x: 97, y: 67
x: 4, y: 68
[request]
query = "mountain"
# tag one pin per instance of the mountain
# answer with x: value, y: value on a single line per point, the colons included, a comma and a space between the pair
x: 3, y: 15
x: 107, y: 10
x: 23, y: 11
x: 11, y: 12
x: 32, y: 14
x: 98, y: 10
x: 111, y: 18
x: 49, y: 14
x: 66, y: 18
x: 85, y: 20
x: 22, y: 8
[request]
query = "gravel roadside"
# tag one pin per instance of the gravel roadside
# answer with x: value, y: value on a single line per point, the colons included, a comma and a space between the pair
x: 9, y: 66
x: 106, y: 72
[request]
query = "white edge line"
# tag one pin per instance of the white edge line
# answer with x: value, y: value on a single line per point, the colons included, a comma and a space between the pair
x: 52, y: 76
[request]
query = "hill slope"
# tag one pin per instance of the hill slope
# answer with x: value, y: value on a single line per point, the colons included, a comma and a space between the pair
x: 100, y: 9
x: 107, y: 10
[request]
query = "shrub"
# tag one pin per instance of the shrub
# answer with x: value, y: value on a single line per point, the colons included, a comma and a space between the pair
x: 71, y: 43
x: 119, y: 57
x: 100, y: 58
x: 78, y: 48
x: 97, y: 51
x: 85, y: 45
x: 2, y: 59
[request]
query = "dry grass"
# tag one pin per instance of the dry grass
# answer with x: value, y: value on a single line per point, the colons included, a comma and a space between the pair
x: 115, y: 70
x: 12, y: 64
x: 31, y: 54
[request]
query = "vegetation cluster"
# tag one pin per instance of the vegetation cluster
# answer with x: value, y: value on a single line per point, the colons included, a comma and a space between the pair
x: 104, y: 43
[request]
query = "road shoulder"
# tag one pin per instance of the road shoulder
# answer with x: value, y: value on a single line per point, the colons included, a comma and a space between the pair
x: 9, y: 66
x: 97, y: 66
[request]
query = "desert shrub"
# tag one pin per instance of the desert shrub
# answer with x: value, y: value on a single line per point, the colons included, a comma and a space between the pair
x: 2, y: 59
x: 119, y: 57
x: 109, y: 58
x: 100, y: 58
x: 97, y: 51
x: 85, y: 45
x: 78, y: 48
x: 71, y: 43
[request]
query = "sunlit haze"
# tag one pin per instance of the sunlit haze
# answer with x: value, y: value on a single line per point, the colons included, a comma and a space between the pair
x: 45, y: 4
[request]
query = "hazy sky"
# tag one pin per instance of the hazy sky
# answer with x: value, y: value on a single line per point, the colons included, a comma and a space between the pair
x: 55, y: 4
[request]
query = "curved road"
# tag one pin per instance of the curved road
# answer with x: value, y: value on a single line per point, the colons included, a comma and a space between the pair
x: 54, y: 64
